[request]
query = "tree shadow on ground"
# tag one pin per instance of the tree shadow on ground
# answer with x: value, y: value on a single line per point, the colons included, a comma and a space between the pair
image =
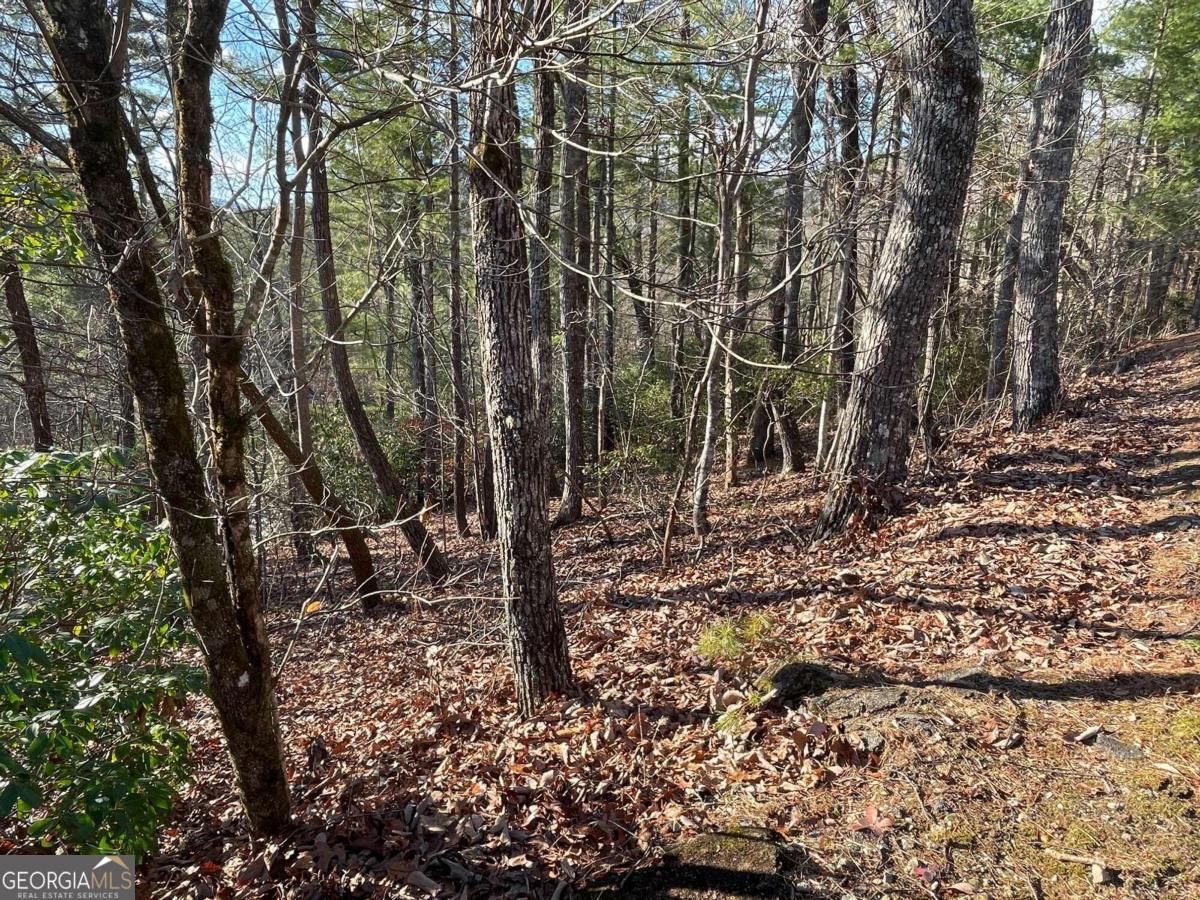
x: 743, y: 863
x: 1125, y: 686
x: 1067, y: 617
x: 1062, y: 529
x: 818, y: 679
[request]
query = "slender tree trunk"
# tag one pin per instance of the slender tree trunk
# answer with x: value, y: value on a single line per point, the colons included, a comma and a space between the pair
x: 485, y: 491
x: 731, y: 421
x: 386, y: 479
x: 804, y: 78
x: 195, y: 39
x: 299, y: 405
x: 33, y: 376
x: 1002, y: 306
x: 390, y: 340
x: 606, y: 428
x: 731, y: 235
x: 539, y: 254
x: 712, y: 425
x: 759, y: 446
x: 685, y: 260
x: 424, y: 372
x: 227, y: 619
x: 575, y: 246
x: 537, y: 636
x: 650, y: 304
x: 744, y: 251
x: 336, y: 512
x: 1163, y: 259
x: 871, y: 449
x: 297, y: 333
x: 926, y: 417
x: 814, y: 16
x: 1065, y: 50
x: 457, y: 319
x: 638, y: 291
x: 844, y: 99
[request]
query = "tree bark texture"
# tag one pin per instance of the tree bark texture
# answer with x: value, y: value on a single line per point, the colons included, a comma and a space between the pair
x: 33, y: 376
x: 576, y: 251
x: 233, y: 638
x: 871, y: 449
x: 1035, y: 378
x: 536, y: 633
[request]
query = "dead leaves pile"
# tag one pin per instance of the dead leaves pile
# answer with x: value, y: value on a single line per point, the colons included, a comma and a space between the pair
x: 1025, y: 556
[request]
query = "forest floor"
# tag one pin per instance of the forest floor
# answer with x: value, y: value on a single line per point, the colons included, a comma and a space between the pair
x: 996, y: 694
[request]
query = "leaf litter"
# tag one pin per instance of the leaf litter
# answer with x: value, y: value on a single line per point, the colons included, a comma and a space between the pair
x: 1013, y: 616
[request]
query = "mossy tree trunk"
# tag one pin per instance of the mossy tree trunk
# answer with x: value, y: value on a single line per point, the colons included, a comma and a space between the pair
x: 226, y: 614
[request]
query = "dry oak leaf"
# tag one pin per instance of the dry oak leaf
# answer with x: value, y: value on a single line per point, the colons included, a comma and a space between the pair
x: 873, y: 822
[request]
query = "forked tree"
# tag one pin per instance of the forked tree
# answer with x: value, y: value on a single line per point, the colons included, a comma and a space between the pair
x: 870, y: 451
x: 216, y: 559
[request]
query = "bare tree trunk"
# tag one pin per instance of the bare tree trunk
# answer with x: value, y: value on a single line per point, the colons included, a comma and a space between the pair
x: 650, y: 305
x: 537, y: 635
x: 227, y: 616
x: 731, y: 234
x: 731, y: 422
x: 685, y: 259
x: 539, y: 254
x: 195, y: 39
x: 386, y: 479
x: 804, y: 77
x: 1162, y: 264
x: 576, y: 243
x: 457, y: 319
x: 606, y: 438
x: 1002, y: 307
x: 814, y: 16
x: 309, y: 473
x: 844, y: 98
x: 424, y: 372
x: 871, y: 449
x: 642, y: 308
x: 485, y: 492
x: 712, y: 425
x: 759, y: 446
x: 299, y: 406
x: 1065, y: 50
x: 33, y: 376
x: 390, y: 340
x: 926, y: 418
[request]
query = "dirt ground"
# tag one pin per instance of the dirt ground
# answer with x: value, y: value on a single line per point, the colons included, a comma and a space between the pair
x: 997, y: 694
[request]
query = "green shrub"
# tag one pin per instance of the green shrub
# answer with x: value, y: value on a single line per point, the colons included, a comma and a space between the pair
x: 342, y: 462
x: 642, y: 395
x: 91, y: 621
